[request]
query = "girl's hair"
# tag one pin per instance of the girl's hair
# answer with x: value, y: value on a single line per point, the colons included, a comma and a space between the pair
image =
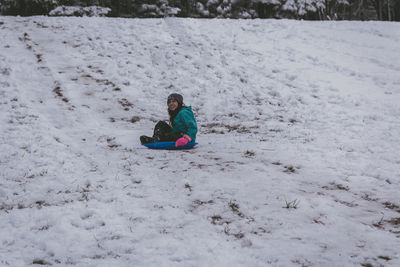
x: 173, y: 113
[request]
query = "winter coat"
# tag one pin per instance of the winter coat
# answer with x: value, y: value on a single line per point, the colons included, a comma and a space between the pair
x: 185, y: 123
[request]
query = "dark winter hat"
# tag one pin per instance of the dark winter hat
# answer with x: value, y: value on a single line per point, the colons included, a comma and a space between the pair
x: 176, y: 97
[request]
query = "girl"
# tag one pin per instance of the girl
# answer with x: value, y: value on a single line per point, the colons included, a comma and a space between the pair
x: 182, y: 127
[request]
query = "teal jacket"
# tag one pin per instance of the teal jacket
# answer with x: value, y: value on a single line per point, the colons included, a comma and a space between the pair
x: 185, y: 123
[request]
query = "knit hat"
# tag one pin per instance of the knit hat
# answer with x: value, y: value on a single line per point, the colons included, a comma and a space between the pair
x: 176, y: 97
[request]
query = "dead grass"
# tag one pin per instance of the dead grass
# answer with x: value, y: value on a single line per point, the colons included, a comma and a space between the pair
x: 291, y: 204
x: 394, y: 221
x: 391, y: 206
x: 335, y: 186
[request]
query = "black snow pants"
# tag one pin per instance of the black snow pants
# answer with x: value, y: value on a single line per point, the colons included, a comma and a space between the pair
x: 163, y: 132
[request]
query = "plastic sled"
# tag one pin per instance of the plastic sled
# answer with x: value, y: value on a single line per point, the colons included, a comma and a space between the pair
x: 169, y: 145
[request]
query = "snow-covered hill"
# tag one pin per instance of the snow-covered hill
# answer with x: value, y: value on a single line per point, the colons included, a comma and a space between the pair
x: 298, y: 162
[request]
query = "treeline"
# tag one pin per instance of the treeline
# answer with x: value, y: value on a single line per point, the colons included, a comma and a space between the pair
x: 388, y: 10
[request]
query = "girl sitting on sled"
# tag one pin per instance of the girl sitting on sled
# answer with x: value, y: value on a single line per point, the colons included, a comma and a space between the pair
x: 182, y: 127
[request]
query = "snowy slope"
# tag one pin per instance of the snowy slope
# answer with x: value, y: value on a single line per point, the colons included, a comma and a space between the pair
x: 298, y: 162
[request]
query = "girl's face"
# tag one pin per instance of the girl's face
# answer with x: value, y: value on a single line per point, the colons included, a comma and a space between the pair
x: 172, y: 104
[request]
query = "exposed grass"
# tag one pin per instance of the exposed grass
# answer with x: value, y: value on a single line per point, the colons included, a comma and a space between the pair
x: 335, y: 186
x: 289, y: 168
x: 134, y: 119
x: 317, y: 220
x: 234, y: 206
x: 125, y: 104
x: 391, y: 206
x: 386, y: 258
x: 40, y: 262
x: 215, y: 219
x: 39, y: 57
x: 236, y: 209
x: 228, y: 232
x: 394, y: 221
x: 249, y: 153
x: 197, y: 203
x: 342, y: 187
x: 291, y: 204
x: 58, y: 92
x: 200, y: 202
x: 379, y: 224
x: 111, y: 143
x: 368, y: 198
x: 189, y: 187
x: 220, y: 128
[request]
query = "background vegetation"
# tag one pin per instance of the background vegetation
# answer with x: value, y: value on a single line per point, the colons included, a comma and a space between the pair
x: 387, y: 10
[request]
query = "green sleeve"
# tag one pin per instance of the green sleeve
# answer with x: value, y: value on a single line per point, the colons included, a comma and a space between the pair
x: 190, y: 124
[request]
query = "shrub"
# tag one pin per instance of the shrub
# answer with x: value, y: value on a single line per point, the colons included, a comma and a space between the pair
x: 78, y: 11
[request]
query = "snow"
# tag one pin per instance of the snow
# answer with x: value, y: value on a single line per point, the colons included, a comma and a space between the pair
x: 298, y: 156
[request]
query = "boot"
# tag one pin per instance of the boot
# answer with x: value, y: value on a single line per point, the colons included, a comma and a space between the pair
x: 145, y: 139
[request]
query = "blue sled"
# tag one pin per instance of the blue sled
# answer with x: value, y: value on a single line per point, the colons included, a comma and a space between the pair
x: 169, y: 145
